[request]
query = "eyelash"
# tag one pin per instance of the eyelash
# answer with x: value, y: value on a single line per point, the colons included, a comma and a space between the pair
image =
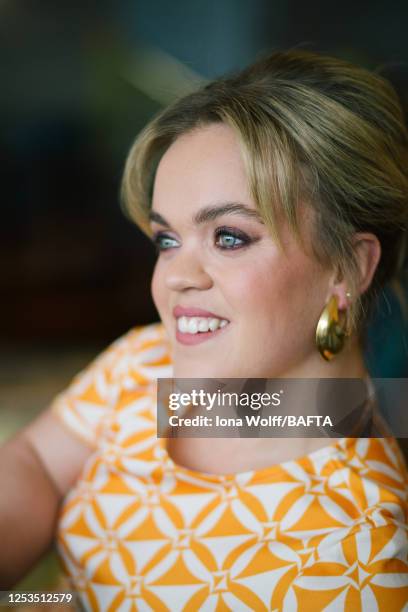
x: 220, y: 231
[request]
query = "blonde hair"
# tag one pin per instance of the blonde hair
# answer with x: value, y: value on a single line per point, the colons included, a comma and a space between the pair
x: 312, y: 129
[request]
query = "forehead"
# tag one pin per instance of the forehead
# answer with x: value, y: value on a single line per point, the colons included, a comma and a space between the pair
x: 202, y: 166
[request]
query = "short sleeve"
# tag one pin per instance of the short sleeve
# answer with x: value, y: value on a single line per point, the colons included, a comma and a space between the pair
x: 85, y: 407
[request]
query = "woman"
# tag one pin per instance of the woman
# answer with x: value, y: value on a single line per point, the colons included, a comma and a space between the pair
x: 277, y: 200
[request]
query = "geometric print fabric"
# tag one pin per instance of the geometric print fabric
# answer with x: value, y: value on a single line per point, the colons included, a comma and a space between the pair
x: 327, y: 531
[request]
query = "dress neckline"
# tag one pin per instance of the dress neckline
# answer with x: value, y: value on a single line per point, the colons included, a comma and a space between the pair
x: 335, y: 451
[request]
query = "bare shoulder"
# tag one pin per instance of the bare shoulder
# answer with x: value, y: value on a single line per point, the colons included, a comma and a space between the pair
x: 60, y: 451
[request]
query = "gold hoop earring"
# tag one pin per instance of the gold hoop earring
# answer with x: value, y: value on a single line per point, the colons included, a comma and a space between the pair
x: 332, y: 330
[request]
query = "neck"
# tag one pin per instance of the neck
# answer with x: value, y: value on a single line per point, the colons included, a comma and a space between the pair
x: 349, y: 363
x: 237, y: 454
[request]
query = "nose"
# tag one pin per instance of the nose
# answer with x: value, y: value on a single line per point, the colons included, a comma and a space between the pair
x: 185, y: 270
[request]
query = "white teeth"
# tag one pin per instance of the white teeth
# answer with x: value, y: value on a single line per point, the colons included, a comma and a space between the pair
x: 214, y: 323
x: 182, y: 325
x: 193, y: 325
x: 203, y: 325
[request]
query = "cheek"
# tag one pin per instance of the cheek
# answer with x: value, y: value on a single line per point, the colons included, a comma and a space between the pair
x: 272, y: 294
x: 257, y: 287
x: 157, y: 288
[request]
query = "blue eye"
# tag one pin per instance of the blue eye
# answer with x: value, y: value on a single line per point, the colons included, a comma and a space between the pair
x: 226, y: 239
x: 163, y: 242
x: 229, y: 239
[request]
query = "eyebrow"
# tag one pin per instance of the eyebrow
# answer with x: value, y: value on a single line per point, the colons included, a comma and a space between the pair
x: 209, y: 213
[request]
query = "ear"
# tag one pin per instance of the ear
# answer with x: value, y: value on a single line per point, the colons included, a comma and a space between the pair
x: 367, y: 249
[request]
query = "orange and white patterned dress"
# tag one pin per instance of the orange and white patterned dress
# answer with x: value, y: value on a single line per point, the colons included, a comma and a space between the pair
x: 327, y: 531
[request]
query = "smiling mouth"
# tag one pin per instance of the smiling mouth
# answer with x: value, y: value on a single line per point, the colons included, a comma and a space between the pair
x: 200, y: 325
x: 195, y: 330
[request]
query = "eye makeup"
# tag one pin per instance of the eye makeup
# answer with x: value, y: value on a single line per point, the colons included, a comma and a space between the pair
x: 225, y: 239
x: 235, y: 234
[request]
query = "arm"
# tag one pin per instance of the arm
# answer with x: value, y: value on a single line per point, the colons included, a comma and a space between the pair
x: 37, y: 468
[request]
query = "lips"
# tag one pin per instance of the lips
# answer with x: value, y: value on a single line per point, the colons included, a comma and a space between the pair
x: 181, y: 311
x: 192, y: 339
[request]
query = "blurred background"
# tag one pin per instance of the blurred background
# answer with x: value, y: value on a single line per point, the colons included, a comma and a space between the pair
x: 79, y: 80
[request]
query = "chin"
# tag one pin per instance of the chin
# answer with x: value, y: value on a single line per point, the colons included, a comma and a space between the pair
x: 189, y: 370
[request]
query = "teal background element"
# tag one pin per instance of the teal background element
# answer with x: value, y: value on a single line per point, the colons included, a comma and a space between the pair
x: 387, y: 339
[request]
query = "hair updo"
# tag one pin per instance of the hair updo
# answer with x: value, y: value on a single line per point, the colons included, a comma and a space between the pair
x: 313, y: 130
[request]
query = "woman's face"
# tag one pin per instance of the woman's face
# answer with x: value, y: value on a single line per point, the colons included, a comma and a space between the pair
x: 217, y: 262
